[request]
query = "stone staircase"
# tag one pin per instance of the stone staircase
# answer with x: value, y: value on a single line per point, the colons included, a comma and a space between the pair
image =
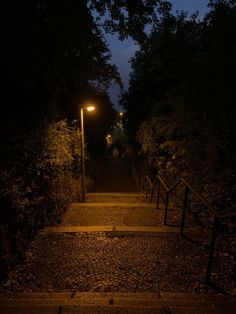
x: 78, y: 265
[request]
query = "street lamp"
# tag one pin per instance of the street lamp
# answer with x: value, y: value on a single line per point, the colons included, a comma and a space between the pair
x: 120, y: 123
x: 82, y: 108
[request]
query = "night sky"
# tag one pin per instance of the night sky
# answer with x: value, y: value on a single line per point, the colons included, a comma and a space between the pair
x: 122, y: 52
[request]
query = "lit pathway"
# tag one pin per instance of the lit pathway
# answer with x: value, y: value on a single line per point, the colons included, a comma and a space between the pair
x: 116, y: 177
x: 112, y: 255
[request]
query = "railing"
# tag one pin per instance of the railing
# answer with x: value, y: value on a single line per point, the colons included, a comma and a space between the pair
x: 217, y: 217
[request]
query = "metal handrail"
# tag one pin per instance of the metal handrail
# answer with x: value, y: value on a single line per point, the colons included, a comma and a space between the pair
x: 159, y: 182
x: 150, y: 186
x: 202, y: 198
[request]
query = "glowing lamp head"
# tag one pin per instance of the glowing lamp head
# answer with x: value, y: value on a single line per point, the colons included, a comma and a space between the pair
x: 121, y: 114
x: 90, y: 108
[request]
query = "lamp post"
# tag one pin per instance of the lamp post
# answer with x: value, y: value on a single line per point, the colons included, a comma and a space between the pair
x: 121, y: 114
x: 89, y: 108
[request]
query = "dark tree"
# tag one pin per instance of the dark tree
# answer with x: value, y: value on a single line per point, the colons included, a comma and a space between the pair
x: 181, y: 97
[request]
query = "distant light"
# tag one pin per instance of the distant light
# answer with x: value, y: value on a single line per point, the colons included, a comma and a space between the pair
x: 90, y: 108
x: 121, y: 114
x: 109, y: 140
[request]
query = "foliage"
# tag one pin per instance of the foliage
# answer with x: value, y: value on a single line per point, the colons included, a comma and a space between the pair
x: 56, y: 50
x: 41, y: 181
x: 40, y: 56
x: 119, y: 139
x: 56, y: 164
x: 180, y: 102
x: 129, y: 18
x: 57, y: 147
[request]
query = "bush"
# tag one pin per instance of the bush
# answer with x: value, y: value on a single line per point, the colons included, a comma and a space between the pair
x: 37, y: 184
x: 190, y: 150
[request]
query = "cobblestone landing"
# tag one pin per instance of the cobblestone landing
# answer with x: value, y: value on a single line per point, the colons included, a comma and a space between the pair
x: 101, y: 263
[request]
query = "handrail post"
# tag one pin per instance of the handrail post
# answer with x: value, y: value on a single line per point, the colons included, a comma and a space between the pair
x: 212, y: 250
x: 184, y: 211
x: 166, y: 208
x: 158, y: 192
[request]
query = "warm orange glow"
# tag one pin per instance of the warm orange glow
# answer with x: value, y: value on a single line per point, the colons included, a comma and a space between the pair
x: 90, y: 108
x: 121, y: 113
x: 109, y: 135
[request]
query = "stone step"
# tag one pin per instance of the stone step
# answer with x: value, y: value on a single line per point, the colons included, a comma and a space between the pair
x: 174, y: 303
x: 119, y: 214
x: 114, y: 204
x: 112, y: 194
x: 114, y: 230
x: 116, y: 197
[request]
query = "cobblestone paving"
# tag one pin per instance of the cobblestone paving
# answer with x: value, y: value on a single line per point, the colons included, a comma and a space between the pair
x: 88, y: 262
x: 77, y: 215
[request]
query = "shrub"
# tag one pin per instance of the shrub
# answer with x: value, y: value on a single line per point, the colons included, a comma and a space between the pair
x: 38, y: 182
